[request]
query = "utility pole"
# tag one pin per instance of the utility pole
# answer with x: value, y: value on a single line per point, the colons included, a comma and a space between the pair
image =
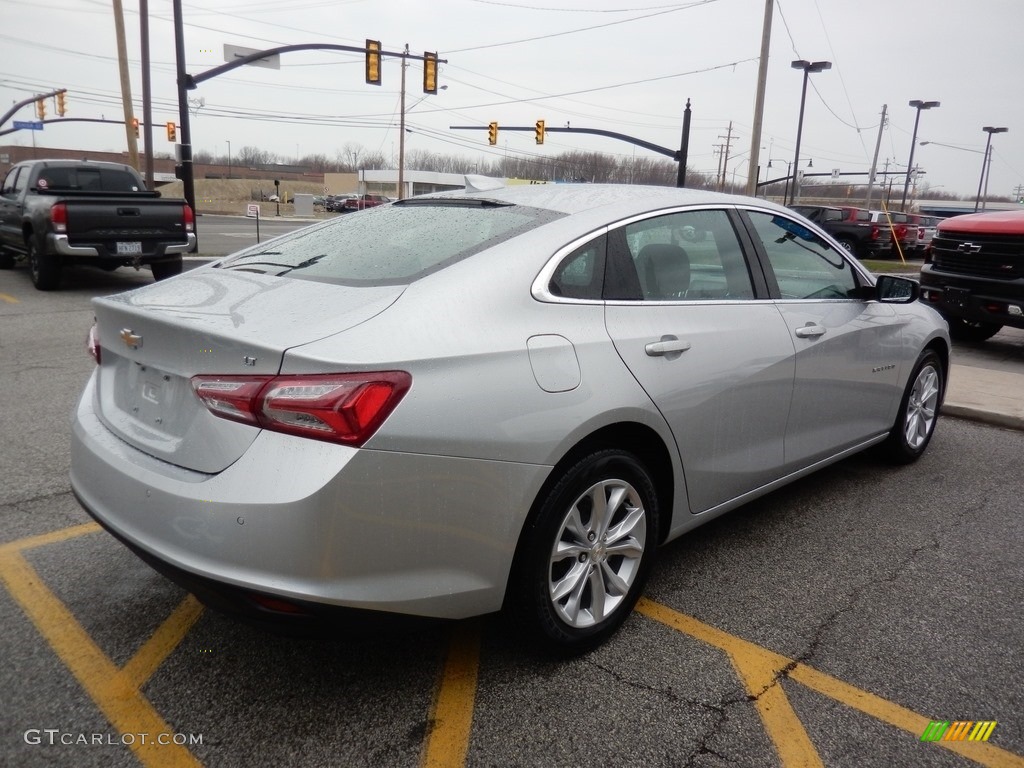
x: 401, y: 134
x: 874, y: 160
x: 147, y: 100
x: 126, y: 85
x: 725, y: 159
x: 762, y: 80
x: 718, y: 149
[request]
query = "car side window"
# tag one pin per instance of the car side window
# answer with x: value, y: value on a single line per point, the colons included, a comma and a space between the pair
x: 804, y: 265
x: 580, y: 275
x: 9, y: 181
x: 688, y: 256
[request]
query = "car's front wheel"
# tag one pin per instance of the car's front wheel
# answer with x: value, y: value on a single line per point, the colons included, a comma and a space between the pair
x: 588, y: 551
x: 919, y: 411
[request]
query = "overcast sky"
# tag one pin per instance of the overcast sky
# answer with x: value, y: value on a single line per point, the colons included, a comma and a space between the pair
x: 610, y: 64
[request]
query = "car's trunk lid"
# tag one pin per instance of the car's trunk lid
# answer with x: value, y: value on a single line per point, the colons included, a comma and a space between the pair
x: 155, y: 339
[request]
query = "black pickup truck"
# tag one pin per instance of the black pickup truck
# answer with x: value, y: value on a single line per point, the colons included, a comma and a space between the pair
x: 55, y: 213
x: 851, y: 227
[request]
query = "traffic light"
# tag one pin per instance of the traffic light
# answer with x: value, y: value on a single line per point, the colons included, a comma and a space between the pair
x: 373, y: 62
x: 135, y: 125
x: 430, y: 72
x: 41, y: 108
x: 538, y: 133
x: 172, y: 132
x: 61, y: 106
x: 492, y: 133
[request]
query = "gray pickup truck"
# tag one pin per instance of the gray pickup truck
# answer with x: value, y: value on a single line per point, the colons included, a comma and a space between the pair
x: 57, y: 213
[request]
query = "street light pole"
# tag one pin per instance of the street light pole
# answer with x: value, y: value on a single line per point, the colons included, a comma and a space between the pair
x: 918, y: 105
x: 984, y: 163
x: 808, y: 67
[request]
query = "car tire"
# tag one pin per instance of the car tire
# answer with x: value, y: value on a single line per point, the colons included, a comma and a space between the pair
x: 584, y: 561
x: 43, y: 268
x: 848, y: 244
x: 972, y: 330
x: 6, y: 259
x: 919, y: 411
x: 164, y: 269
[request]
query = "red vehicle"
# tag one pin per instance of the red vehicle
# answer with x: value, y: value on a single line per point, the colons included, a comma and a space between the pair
x: 973, y: 273
x: 359, y: 202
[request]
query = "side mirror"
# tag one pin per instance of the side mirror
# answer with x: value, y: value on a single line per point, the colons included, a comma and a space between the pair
x: 890, y: 289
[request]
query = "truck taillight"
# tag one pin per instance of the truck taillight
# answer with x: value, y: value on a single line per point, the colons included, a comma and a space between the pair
x: 59, y: 218
x: 874, y: 232
x: 189, y: 218
x: 344, y: 408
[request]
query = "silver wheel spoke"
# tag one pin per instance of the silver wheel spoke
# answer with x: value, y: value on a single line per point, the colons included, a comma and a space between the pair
x: 921, y: 407
x: 593, y: 565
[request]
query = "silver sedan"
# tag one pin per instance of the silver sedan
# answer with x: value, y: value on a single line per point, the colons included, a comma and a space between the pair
x: 491, y: 397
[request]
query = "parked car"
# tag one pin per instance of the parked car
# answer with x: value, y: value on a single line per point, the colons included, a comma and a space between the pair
x: 851, y: 227
x: 471, y: 400
x: 904, y: 237
x: 361, y: 202
x: 59, y: 213
x: 926, y: 226
x: 974, y: 273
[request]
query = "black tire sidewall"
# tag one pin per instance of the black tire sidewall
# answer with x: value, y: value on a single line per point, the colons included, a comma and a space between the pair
x: 898, y: 449
x: 533, y: 599
x: 43, y: 268
x: 165, y: 269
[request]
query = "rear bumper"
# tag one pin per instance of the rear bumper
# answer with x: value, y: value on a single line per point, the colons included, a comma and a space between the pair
x: 60, y: 244
x: 314, y: 523
x: 974, y: 299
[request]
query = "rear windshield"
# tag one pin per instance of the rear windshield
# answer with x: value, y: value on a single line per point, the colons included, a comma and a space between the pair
x: 90, y: 179
x: 390, y: 244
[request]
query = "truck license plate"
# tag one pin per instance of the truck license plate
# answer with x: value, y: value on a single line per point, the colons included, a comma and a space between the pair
x: 129, y: 249
x: 957, y: 297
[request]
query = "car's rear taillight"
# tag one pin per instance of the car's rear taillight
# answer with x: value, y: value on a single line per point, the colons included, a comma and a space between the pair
x: 59, y: 218
x: 92, y: 343
x: 188, y: 218
x: 342, y: 408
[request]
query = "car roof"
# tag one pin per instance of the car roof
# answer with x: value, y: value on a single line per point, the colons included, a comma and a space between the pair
x: 626, y: 199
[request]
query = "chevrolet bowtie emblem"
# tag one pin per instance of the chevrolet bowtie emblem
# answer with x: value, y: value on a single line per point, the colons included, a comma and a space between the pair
x: 968, y: 248
x: 131, y: 340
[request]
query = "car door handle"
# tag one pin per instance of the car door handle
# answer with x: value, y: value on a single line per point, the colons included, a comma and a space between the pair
x: 667, y: 346
x: 810, y: 331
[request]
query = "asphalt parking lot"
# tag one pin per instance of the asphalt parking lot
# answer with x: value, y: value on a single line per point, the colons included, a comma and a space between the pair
x: 829, y: 623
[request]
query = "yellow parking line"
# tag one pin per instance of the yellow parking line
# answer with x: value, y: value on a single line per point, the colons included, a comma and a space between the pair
x: 8, y: 298
x: 452, y: 715
x: 49, y: 538
x: 152, y: 654
x: 983, y: 753
x: 760, y: 667
x: 759, y: 670
x: 122, y: 703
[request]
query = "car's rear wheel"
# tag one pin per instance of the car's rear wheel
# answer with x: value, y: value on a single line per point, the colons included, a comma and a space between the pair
x: 972, y: 330
x: 164, y: 269
x: 43, y: 268
x: 588, y: 551
x: 919, y: 410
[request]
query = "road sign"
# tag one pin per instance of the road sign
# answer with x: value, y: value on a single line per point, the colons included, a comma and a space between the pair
x: 835, y: 173
x: 252, y: 210
x: 232, y: 52
x: 28, y: 125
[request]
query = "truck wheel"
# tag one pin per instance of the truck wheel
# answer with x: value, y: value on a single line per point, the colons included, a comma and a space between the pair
x: 848, y: 244
x: 43, y: 268
x: 969, y: 330
x: 164, y: 269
